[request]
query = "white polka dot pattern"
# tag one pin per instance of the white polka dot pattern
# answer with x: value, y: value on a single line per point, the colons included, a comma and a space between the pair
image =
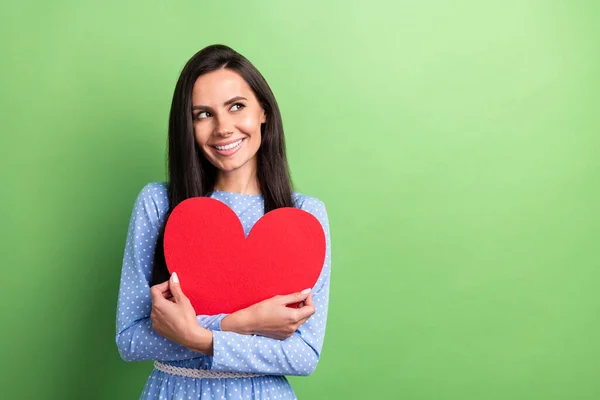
x: 137, y: 341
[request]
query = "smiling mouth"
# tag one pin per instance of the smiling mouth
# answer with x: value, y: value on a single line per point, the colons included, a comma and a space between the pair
x: 230, y: 146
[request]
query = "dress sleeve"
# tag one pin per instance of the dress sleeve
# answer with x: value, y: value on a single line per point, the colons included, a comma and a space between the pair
x: 297, y: 355
x: 136, y: 339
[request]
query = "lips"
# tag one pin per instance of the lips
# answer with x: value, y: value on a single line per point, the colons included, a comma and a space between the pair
x: 229, y: 149
x: 228, y: 145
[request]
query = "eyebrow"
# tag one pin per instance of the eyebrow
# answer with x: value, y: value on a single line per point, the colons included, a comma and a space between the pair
x: 228, y: 102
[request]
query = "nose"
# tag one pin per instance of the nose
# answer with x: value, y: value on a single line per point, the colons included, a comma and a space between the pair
x: 223, y: 127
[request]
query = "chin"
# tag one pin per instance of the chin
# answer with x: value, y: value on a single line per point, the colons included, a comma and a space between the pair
x: 230, y: 166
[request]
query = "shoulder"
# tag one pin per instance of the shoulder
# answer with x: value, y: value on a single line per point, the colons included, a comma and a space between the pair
x: 314, y: 206
x: 153, y: 199
x: 154, y: 191
x: 304, y: 201
x: 309, y: 203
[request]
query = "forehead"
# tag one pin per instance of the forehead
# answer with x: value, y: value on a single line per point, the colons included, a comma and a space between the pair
x: 219, y: 86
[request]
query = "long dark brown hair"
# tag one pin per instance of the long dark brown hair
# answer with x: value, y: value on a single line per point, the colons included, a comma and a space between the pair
x: 190, y: 173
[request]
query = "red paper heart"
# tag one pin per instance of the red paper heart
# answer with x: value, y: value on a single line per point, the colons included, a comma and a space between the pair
x: 222, y: 271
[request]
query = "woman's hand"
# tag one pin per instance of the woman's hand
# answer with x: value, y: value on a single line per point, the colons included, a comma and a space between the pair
x: 174, y: 317
x: 272, y: 318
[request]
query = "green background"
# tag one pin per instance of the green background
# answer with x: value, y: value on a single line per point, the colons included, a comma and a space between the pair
x: 455, y: 145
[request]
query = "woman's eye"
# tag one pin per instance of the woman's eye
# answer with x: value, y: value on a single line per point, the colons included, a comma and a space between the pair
x: 206, y: 114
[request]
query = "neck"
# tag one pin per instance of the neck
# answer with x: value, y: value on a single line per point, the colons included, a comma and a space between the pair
x: 242, y: 180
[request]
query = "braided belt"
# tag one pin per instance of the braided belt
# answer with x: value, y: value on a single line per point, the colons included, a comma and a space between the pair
x: 201, y: 373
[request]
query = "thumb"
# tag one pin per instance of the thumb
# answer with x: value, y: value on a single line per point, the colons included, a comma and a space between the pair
x: 295, y: 297
x: 175, y: 288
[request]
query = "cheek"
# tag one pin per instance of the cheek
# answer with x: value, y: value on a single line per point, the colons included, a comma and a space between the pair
x: 249, y: 124
x: 201, y: 134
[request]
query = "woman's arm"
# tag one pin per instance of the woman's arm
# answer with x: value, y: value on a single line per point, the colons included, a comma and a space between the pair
x: 296, y: 355
x: 136, y: 339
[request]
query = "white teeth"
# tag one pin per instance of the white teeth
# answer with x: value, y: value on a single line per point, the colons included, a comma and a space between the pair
x: 230, y: 146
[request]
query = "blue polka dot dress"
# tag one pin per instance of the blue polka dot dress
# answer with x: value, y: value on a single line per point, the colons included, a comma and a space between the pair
x: 274, y: 359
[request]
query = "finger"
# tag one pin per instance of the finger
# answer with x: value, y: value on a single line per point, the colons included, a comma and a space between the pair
x: 175, y: 288
x: 301, y: 317
x: 157, y: 290
x: 302, y: 321
x: 157, y: 297
x: 309, y: 300
x: 295, y: 297
x: 160, y: 288
x: 304, y: 312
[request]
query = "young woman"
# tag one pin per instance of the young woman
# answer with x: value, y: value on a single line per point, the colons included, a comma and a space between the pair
x: 226, y: 141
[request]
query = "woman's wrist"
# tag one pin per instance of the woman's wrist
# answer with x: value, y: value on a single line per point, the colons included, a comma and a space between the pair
x: 238, y: 322
x: 200, y: 340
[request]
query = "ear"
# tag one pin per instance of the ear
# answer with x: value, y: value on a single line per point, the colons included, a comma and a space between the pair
x: 263, y: 119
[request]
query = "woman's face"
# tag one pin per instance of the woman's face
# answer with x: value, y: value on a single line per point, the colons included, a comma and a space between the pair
x: 227, y: 119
